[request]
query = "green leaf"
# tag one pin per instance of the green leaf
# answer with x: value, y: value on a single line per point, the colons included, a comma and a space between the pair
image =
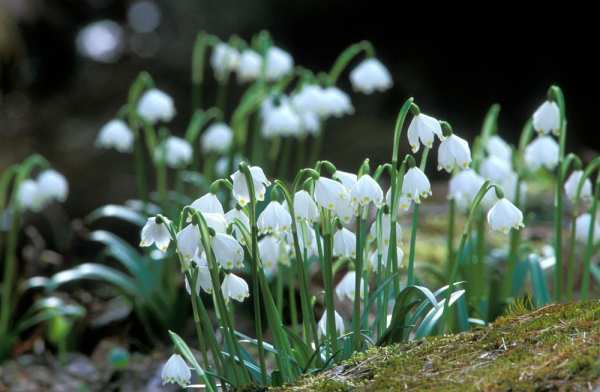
x: 113, y: 211
x: 435, y: 314
x: 46, y: 309
x: 117, y: 248
x: 92, y: 271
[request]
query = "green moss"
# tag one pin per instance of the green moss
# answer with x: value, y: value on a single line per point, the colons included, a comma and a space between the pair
x: 555, y: 347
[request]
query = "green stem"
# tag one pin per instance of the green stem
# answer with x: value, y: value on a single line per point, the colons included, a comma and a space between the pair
x: 587, y: 259
x: 328, y: 280
x: 450, y: 243
x: 292, y: 298
x: 356, y: 337
x: 346, y: 57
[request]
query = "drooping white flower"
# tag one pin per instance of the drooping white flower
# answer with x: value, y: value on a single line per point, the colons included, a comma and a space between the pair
x: 386, y: 224
x: 249, y: 66
x: 582, y: 228
x: 281, y: 120
x: 156, y: 233
x: 208, y: 203
x: 374, y: 258
x: 269, y: 251
x: 509, y: 186
x: 176, y: 371
x: 346, y: 286
x: 311, y: 98
x: 228, y: 252
x: 543, y: 151
x: 367, y: 190
x: 454, y: 153
x: 224, y: 59
x: 29, y: 197
x: 155, y: 105
x: 497, y: 147
x: 203, y: 280
x: 311, y: 124
x: 416, y: 185
x: 217, y: 138
x: 215, y: 221
x: 336, y: 103
x: 547, y: 118
x: 240, y: 188
x: 52, y: 185
x: 344, y: 243
x: 345, y: 210
x: 274, y: 219
x: 305, y: 207
x: 279, y: 63
x: 572, y: 183
x: 495, y: 169
x: 423, y: 128
x: 235, y: 287
x: 176, y: 151
x: 115, y: 134
x: 347, y: 179
x: 339, y: 324
x: 188, y: 242
x: 237, y: 215
x: 504, y: 216
x: 307, y: 239
x: 463, y: 187
x: 404, y: 202
x: 329, y: 193
x: 222, y: 168
x: 370, y: 75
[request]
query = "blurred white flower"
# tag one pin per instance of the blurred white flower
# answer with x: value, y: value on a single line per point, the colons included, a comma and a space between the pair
x: 310, y: 99
x: 346, y: 286
x: 215, y: 221
x: 495, y: 169
x: 572, y: 183
x: 224, y: 59
x: 509, y: 186
x: 336, y: 102
x: 423, y: 128
x: 235, y: 287
x: 155, y: 105
x: 116, y: 134
x: 547, y: 118
x: 280, y: 119
x: 374, y: 258
x: 339, y: 324
x: 274, y: 219
x: 176, y: 371
x: 176, y: 151
x: 543, y: 151
x: 367, y: 190
x: 344, y: 243
x: 370, y: 75
x: 279, y: 63
x: 504, y: 215
x: 305, y: 207
x: 310, y: 122
x: 240, y: 188
x: 386, y: 224
x: 249, y: 66
x: 463, y: 187
x: 52, y: 185
x: 208, y: 203
x: 217, y: 138
x: 156, y: 233
x: 29, y: 196
x: 454, y: 153
x: 416, y: 185
x: 404, y: 201
x: 497, y: 147
x: 188, y: 242
x: 228, y: 251
x: 582, y: 228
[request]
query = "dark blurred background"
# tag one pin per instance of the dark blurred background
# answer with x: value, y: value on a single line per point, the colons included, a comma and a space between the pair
x: 66, y: 67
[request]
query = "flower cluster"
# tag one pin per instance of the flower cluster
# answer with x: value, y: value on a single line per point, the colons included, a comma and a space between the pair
x: 35, y: 194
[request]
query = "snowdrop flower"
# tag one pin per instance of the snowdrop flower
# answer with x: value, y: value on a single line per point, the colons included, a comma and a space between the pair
x: 52, y: 185
x: 269, y: 251
x: 208, y: 203
x: 233, y: 215
x: 177, y: 152
x: 222, y: 166
x: 188, y: 242
x: 374, y: 258
x: 454, y: 152
x: 279, y: 63
x: 30, y: 197
x: 249, y: 66
x: 235, y: 287
x: 329, y: 193
x: 305, y: 207
x: 345, y: 210
x: 404, y: 202
x: 224, y: 59
x: 240, y: 187
x: 339, y: 324
x: 416, y: 185
x: 307, y: 239
x: 116, y: 134
x: 504, y: 215
x: 346, y: 287
x: 463, y: 188
x: 203, y: 280
x: 217, y: 138
x: 582, y: 228
x: 369, y: 76
x: 344, y: 243
x: 495, y: 169
x: 509, y: 185
x: 497, y: 147
x: 367, y: 190
x: 157, y: 233
x: 336, y: 102
x: 176, y: 371
x: 228, y: 252
x: 274, y: 219
x: 386, y: 224
x: 155, y: 105
x: 347, y: 179
x: 281, y: 120
x: 572, y: 183
x: 311, y: 99
x: 215, y: 221
x: 547, y: 118
x: 543, y: 151
x: 423, y: 128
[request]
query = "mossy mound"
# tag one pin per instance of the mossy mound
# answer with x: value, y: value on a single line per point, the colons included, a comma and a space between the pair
x: 556, y: 347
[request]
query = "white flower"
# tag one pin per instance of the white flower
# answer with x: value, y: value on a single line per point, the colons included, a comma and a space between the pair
x: 509, y: 186
x: 311, y: 99
x: 495, y: 169
x: 208, y: 203
x: 454, y: 152
x: 29, y: 196
x: 188, y: 242
x: 329, y: 193
x: 344, y: 243
x: 572, y: 183
x: 543, y: 151
x: 233, y: 215
x: 235, y: 287
x: 345, y: 210
x: 52, y: 185
x: 416, y: 185
x: 504, y: 215
x: 547, y: 118
x: 115, y: 134
x: 269, y: 251
x: 176, y: 371
x: 386, y: 225
x: 177, y: 152
x: 203, y: 280
x: 228, y: 252
x: 374, y: 258
x: 279, y: 63
x: 311, y: 123
x: 346, y: 287
x: 339, y: 324
x: 582, y: 229
x: 497, y: 147
x: 367, y: 190
x: 423, y: 128
x: 224, y: 59
x: 336, y: 102
x: 217, y: 138
x: 404, y: 202
x: 305, y: 207
x: 249, y: 66
x: 240, y: 188
x: 307, y: 239
x: 280, y: 120
x: 347, y: 179
x: 222, y: 166
x: 370, y: 75
x: 156, y: 233
x: 463, y: 187
x: 215, y: 221
x: 155, y: 105
x: 274, y: 219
